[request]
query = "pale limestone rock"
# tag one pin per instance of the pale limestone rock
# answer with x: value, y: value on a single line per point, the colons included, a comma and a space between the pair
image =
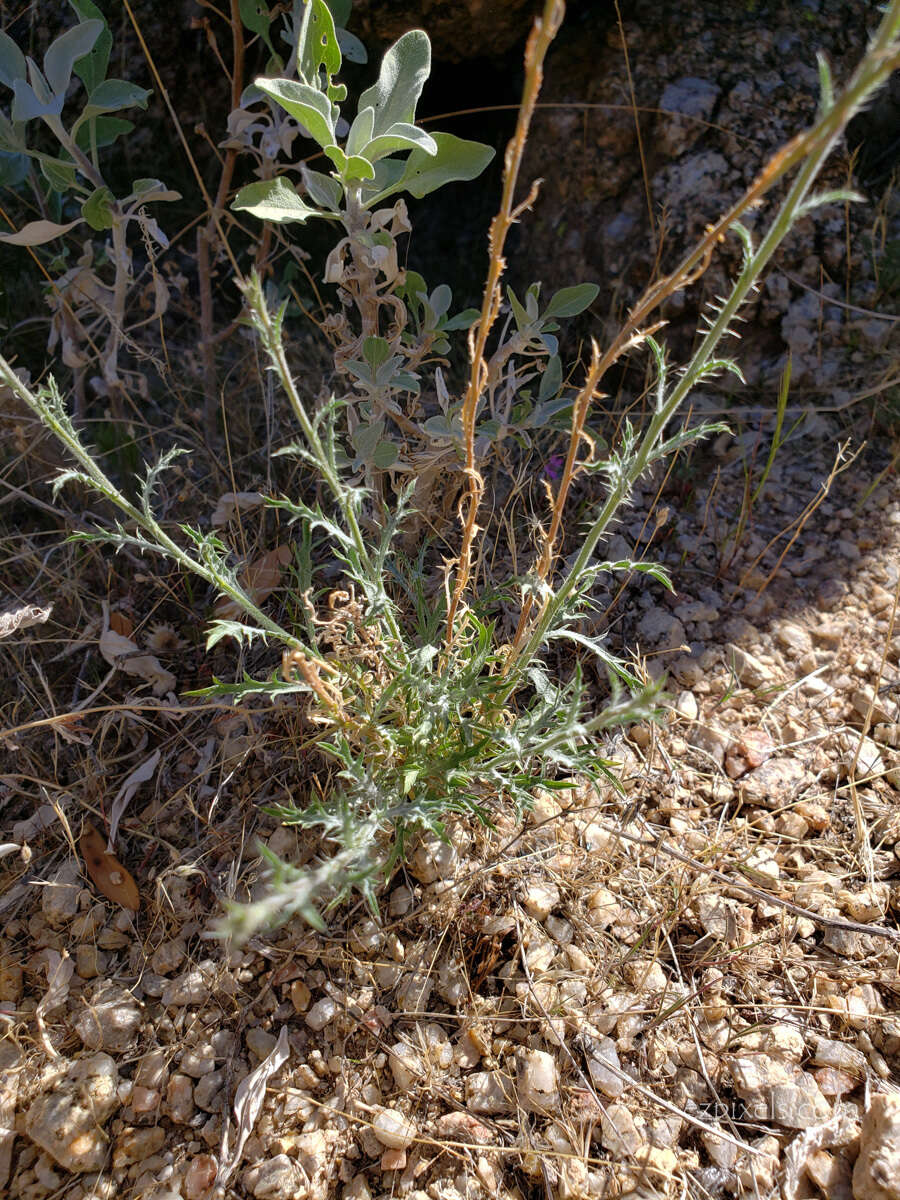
x: 68, y: 1122
x: 876, y: 1175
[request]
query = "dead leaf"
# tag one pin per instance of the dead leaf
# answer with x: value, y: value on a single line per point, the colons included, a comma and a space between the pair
x: 15, y: 619
x: 140, y: 775
x: 248, y: 1100
x: 260, y: 579
x: 106, y: 872
x: 123, y: 653
x: 231, y: 502
x: 60, y: 969
x: 120, y: 622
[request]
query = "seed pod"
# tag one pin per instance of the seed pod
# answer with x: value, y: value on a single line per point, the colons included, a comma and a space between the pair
x: 106, y: 872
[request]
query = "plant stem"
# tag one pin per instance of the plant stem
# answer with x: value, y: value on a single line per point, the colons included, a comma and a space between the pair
x: 810, y: 149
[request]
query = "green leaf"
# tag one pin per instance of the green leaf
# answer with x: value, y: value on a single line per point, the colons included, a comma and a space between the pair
x: 113, y: 94
x: 352, y: 48
x: 551, y: 380
x: 273, y: 200
x: 462, y: 320
x: 311, y: 108
x: 456, y: 158
x: 350, y: 169
x: 61, y: 176
x: 36, y: 233
x: 26, y: 105
x: 361, y: 131
x: 399, y: 137
x: 97, y: 209
x: 257, y: 18
x: 570, y: 301
x: 404, y: 70
x: 385, y: 455
x: 318, y: 44
x: 13, y: 168
x: 365, y: 438
x: 152, y: 189
x: 91, y: 69
x: 522, y: 318
x: 100, y: 131
x: 12, y: 61
x: 323, y: 189
x: 376, y: 351
x: 62, y: 53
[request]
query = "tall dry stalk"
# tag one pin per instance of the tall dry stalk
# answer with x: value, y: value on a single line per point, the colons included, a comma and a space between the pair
x: 542, y: 34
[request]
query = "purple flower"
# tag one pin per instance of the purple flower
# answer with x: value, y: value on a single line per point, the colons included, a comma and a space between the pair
x: 553, y: 467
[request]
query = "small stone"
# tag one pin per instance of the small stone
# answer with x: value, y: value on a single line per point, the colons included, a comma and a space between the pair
x: 259, y: 1042
x: 90, y: 961
x: 191, y: 987
x: 867, y: 762
x: 199, y: 1176
x: 393, y: 1129
x: 686, y: 705
x: 839, y: 1055
x: 537, y: 1081
x: 322, y: 1013
x: 433, y: 859
x: 111, y: 1020
x: 135, y: 1145
x: 602, y: 1056
x: 540, y: 899
x: 393, y: 1160
x: 68, y: 1122
x: 661, y: 628
x: 59, y: 896
x: 463, y: 1127
x: 712, y: 741
x: 198, y: 1060
x: 489, y: 1092
x: 207, y: 1093
x: 773, y: 784
x: 406, y: 1065
x: 831, y: 1173
x: 618, y: 1132
x: 275, y: 1178
x: 300, y: 996
x: 167, y: 957
x: 180, y: 1099
x: 793, y: 638
x: 876, y: 1175
x: 750, y: 670
x: 779, y: 1091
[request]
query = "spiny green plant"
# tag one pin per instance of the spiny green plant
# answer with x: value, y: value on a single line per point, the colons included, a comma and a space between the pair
x: 420, y: 704
x: 85, y: 303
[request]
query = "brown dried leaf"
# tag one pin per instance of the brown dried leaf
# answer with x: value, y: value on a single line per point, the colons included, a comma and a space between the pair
x: 106, y: 872
x: 14, y: 619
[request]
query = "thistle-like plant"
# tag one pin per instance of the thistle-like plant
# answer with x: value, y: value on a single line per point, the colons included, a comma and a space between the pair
x: 418, y: 703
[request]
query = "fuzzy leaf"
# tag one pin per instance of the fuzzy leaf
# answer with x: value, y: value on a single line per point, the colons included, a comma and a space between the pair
x: 310, y: 107
x: 36, y: 233
x: 455, y: 159
x: 399, y: 137
x: 112, y: 95
x: 12, y: 61
x: 91, y: 69
x: 323, y: 189
x: 319, y: 45
x: 273, y: 200
x: 97, y: 209
x: 404, y: 69
x: 570, y: 301
x: 27, y: 106
x: 75, y: 43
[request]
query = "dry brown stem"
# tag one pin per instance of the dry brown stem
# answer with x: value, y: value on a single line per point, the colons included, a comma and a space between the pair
x: 544, y: 30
